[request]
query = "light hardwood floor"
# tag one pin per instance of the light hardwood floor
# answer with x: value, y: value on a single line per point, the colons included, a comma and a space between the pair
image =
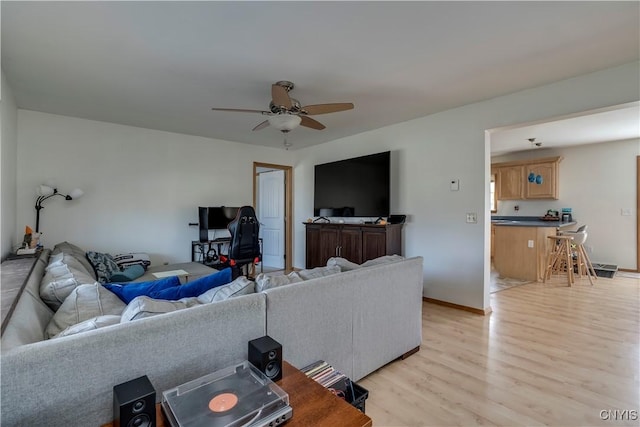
x: 547, y: 355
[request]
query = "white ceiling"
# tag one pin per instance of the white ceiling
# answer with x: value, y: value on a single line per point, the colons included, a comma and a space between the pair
x: 163, y: 65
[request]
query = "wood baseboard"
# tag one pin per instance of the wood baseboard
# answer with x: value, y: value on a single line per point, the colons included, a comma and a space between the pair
x: 484, y: 312
x: 410, y: 352
x: 629, y: 270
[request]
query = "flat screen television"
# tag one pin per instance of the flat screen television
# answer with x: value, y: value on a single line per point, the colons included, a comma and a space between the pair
x: 214, y: 218
x: 353, y: 187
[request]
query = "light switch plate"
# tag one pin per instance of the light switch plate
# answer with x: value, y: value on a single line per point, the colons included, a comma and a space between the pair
x: 472, y: 217
x: 625, y: 212
x: 455, y: 185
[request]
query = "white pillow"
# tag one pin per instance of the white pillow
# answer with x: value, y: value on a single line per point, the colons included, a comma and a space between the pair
x: 90, y: 325
x: 343, y: 263
x: 84, y: 302
x: 317, y: 272
x: 144, y: 306
x: 382, y: 260
x: 264, y: 282
x: 240, y: 286
x: 59, y: 281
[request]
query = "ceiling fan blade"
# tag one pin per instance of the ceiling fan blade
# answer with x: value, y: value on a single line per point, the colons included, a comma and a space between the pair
x: 280, y: 96
x: 262, y: 125
x: 238, y: 110
x: 327, y: 108
x: 311, y: 123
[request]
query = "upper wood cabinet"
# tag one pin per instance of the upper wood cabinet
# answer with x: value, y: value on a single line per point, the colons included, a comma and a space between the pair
x: 510, y: 182
x: 547, y: 188
x: 513, y: 181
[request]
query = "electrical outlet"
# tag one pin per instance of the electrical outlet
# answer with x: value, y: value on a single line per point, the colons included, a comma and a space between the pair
x: 472, y: 217
x: 625, y: 212
x: 530, y: 244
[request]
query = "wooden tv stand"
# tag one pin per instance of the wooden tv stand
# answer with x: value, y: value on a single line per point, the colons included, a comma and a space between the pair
x: 313, y: 405
x: 355, y: 242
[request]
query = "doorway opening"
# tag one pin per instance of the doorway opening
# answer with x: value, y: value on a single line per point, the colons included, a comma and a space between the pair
x: 273, y: 200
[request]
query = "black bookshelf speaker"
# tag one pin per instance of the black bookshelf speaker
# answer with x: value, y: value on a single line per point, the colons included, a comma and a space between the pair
x: 265, y: 353
x: 134, y: 404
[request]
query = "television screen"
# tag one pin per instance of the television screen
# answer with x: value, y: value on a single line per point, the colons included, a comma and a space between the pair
x: 353, y: 187
x: 216, y: 218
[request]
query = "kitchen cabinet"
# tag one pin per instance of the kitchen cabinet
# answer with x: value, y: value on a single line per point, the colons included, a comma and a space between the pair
x: 510, y: 182
x: 513, y: 183
x: 548, y: 188
x: 355, y: 242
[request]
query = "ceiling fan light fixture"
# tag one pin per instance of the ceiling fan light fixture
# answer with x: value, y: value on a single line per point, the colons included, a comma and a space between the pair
x: 284, y: 122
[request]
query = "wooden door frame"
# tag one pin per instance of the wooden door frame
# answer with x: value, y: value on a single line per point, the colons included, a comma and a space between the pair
x: 288, y: 207
x: 638, y: 214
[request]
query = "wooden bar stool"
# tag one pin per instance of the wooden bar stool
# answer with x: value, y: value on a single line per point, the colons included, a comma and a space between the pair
x: 559, y: 259
x: 582, y: 261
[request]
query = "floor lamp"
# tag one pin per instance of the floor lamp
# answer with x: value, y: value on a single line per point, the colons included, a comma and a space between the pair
x: 46, y: 192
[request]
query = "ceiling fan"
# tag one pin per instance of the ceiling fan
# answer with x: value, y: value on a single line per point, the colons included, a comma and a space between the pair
x: 286, y: 113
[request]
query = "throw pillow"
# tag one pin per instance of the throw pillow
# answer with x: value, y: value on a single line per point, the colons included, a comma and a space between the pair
x: 264, y: 282
x: 84, y: 302
x: 343, y: 263
x: 128, y: 274
x: 240, y: 286
x: 76, y: 252
x: 318, y: 272
x: 144, y: 306
x: 382, y: 260
x: 103, y: 265
x: 128, y: 291
x: 59, y: 281
x: 135, y: 258
x: 195, y: 288
x: 90, y: 325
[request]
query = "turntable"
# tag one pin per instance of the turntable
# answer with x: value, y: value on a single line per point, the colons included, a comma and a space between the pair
x: 236, y: 396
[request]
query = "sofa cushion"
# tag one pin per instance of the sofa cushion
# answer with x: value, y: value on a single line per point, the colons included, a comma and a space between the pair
x: 264, y: 281
x: 90, y: 325
x: 317, y: 272
x: 240, y: 286
x: 144, y: 306
x: 343, y: 263
x: 385, y: 259
x: 128, y: 291
x: 61, y: 278
x: 195, y: 288
x: 103, y: 265
x: 84, y: 302
x: 76, y: 252
x: 128, y: 274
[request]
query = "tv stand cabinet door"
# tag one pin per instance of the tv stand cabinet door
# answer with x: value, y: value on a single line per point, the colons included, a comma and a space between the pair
x: 374, y: 243
x: 322, y: 244
x: 351, y: 244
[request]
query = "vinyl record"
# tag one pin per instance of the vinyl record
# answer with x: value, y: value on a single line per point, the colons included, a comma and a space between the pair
x: 241, y: 395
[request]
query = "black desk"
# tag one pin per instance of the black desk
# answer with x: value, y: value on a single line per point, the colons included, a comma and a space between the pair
x: 216, y: 244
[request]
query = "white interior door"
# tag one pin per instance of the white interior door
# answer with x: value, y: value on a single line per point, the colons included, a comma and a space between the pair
x: 271, y: 216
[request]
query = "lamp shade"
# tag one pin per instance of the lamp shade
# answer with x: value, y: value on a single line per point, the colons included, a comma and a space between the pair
x: 76, y: 193
x: 285, y: 122
x: 45, y: 190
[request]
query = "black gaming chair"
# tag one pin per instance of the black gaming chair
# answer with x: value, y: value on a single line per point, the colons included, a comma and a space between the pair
x: 244, y: 248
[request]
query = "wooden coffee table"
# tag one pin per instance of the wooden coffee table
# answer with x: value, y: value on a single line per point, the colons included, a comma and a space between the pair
x: 313, y: 405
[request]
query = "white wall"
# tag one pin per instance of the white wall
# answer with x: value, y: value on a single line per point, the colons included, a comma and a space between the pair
x: 142, y: 187
x: 432, y: 150
x: 8, y: 156
x: 596, y: 181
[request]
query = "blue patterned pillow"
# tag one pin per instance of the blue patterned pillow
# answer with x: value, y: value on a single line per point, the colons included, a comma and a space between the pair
x: 103, y: 265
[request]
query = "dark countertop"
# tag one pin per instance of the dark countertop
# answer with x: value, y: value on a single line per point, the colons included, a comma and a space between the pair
x: 528, y: 221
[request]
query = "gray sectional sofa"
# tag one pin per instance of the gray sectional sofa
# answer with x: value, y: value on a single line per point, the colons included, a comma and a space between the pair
x: 357, y: 320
